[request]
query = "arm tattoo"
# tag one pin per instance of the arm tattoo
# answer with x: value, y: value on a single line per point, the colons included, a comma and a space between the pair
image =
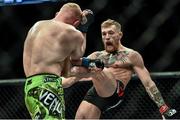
x: 155, y: 95
x: 98, y: 54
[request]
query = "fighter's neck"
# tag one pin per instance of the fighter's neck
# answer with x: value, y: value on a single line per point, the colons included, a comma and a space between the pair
x: 120, y: 48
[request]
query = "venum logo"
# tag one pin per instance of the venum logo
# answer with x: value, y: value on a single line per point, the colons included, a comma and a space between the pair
x: 52, y: 102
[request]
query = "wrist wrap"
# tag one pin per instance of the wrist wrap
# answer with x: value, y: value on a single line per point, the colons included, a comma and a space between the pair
x: 85, y: 62
x: 163, y: 108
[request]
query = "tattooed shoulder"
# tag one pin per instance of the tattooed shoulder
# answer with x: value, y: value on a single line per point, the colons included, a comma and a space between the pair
x: 98, y: 54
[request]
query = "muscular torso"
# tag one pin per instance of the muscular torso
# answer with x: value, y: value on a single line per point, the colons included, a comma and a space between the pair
x: 118, y: 64
x: 47, y: 48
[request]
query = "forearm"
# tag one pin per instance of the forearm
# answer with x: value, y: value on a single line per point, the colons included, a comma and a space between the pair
x: 83, y: 47
x: 165, y: 110
x: 80, y: 72
x: 76, y: 62
x: 155, y: 95
x: 73, y: 78
x: 151, y: 87
x: 81, y: 76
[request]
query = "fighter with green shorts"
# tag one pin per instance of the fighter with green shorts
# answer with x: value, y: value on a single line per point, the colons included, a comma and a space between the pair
x: 44, y: 96
x: 50, y: 49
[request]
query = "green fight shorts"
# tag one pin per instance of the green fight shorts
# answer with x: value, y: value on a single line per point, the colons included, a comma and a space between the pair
x: 44, y: 96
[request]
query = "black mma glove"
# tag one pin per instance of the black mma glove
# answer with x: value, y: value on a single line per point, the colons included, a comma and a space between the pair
x: 86, y: 21
x: 86, y: 62
x: 166, y: 112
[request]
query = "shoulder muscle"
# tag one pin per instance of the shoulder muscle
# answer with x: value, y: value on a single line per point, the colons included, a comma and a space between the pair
x: 136, y: 59
x: 95, y: 55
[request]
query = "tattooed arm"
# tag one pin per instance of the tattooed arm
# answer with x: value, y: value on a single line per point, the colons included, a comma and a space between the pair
x: 150, y: 86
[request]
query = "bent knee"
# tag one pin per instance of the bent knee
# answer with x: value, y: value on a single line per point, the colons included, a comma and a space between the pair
x: 87, y: 111
x: 81, y: 114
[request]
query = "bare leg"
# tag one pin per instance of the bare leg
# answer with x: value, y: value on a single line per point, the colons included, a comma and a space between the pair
x: 104, y: 83
x: 87, y: 110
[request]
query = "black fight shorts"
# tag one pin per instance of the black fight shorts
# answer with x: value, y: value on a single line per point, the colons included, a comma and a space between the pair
x: 104, y: 103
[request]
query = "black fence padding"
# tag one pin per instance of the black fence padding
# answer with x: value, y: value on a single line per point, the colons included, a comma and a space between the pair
x: 136, y: 105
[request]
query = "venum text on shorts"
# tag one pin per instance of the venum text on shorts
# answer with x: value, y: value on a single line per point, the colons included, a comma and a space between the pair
x: 52, y: 102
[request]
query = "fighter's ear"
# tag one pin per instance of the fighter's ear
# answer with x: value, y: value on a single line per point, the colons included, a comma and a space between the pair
x: 76, y: 23
x: 120, y: 33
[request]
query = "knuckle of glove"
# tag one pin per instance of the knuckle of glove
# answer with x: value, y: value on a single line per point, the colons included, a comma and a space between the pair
x: 170, y: 113
x: 99, y: 63
x: 86, y: 21
x: 88, y: 18
x: 88, y: 11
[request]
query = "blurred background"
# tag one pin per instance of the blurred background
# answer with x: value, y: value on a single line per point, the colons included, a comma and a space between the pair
x: 151, y: 27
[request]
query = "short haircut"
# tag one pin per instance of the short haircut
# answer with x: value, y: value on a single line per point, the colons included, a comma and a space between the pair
x: 110, y: 22
x: 74, y: 6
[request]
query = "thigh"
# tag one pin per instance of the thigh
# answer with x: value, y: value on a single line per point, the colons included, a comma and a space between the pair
x: 44, y: 104
x: 104, y: 84
x: 34, y: 106
x: 87, y: 110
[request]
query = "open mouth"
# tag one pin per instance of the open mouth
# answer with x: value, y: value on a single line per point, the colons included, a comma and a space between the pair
x: 109, y: 44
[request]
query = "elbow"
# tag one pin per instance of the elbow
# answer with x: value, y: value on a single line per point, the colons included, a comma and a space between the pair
x: 68, y: 82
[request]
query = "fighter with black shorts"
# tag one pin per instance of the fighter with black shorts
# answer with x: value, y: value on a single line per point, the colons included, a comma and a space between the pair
x: 106, y: 103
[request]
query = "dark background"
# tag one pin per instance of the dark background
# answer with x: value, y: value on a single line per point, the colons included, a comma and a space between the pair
x: 152, y: 27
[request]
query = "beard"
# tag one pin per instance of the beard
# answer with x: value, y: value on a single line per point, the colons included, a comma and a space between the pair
x: 110, y: 48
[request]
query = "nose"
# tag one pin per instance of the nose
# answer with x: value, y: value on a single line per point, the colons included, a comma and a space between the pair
x: 107, y: 37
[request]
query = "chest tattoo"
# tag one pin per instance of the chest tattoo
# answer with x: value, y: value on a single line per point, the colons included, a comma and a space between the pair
x: 120, y: 56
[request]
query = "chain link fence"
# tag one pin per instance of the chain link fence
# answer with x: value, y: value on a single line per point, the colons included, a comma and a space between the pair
x: 136, y: 105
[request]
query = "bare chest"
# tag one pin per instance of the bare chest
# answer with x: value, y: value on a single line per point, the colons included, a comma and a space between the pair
x: 119, y: 59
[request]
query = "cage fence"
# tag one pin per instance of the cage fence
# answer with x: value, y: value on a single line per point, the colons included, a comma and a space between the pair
x: 136, y: 104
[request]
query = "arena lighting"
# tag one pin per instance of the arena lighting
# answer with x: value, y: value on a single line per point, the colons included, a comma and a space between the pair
x: 22, y: 2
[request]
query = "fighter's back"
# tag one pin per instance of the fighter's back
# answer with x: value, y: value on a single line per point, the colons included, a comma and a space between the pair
x: 47, y: 46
